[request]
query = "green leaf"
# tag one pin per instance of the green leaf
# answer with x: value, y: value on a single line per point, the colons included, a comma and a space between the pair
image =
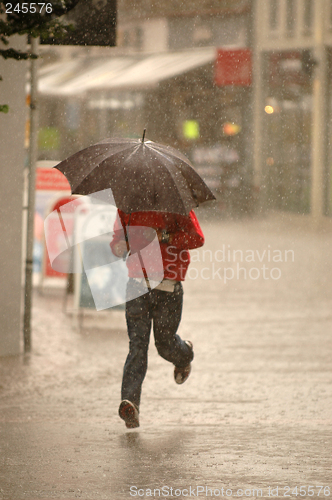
x: 4, y: 108
x: 16, y: 54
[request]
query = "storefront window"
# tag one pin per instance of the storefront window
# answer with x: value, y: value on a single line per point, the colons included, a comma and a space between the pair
x: 290, y: 17
x: 308, y: 16
x: 288, y: 110
x: 274, y: 14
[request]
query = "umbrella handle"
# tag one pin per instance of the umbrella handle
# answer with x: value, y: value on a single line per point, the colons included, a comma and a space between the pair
x: 126, y: 239
x: 138, y: 253
x: 124, y: 256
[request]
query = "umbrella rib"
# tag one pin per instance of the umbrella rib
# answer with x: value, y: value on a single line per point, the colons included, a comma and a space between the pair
x: 132, y: 153
x: 176, y: 181
x: 167, y: 150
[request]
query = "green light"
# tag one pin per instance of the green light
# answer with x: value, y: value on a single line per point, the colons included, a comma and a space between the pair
x: 190, y: 129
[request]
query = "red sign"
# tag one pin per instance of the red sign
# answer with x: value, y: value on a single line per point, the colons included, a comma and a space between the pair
x: 53, y: 242
x: 233, y: 67
x: 51, y: 179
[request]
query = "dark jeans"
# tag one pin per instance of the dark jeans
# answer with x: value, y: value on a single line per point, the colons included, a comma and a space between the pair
x: 165, y: 309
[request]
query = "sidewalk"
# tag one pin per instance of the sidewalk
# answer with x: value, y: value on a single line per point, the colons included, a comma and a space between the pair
x: 255, y: 414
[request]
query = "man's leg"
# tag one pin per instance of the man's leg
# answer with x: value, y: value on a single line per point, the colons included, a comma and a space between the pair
x: 167, y: 312
x: 139, y: 327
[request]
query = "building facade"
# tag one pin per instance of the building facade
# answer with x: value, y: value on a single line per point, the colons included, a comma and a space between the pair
x: 165, y: 76
x: 292, y: 99
x: 272, y: 132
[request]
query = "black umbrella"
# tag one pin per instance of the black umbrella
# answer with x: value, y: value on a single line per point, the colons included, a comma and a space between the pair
x: 143, y: 176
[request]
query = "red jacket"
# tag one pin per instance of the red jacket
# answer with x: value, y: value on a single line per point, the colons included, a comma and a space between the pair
x: 186, y: 234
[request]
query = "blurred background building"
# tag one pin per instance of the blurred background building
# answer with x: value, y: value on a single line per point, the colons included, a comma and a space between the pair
x: 292, y: 99
x: 182, y: 70
x: 230, y: 83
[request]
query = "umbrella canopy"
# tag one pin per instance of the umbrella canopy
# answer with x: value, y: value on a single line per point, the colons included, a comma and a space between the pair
x: 143, y: 176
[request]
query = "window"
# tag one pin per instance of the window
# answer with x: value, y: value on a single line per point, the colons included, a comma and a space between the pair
x: 274, y: 14
x: 290, y: 16
x: 308, y: 15
x: 139, y: 37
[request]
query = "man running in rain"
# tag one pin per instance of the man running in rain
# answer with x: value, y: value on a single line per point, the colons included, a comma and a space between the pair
x: 161, y: 305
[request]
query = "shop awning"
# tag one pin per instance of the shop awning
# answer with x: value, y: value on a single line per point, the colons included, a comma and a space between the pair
x: 130, y: 72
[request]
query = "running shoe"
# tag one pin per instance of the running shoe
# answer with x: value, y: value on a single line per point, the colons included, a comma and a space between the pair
x: 182, y: 373
x: 129, y: 413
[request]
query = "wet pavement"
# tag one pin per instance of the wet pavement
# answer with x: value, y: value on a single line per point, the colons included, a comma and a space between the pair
x: 254, y: 418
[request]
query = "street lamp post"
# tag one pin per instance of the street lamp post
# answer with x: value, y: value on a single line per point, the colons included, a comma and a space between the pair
x: 32, y: 159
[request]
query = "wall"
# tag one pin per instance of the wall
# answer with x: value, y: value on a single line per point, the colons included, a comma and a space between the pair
x: 155, y: 35
x: 12, y: 157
